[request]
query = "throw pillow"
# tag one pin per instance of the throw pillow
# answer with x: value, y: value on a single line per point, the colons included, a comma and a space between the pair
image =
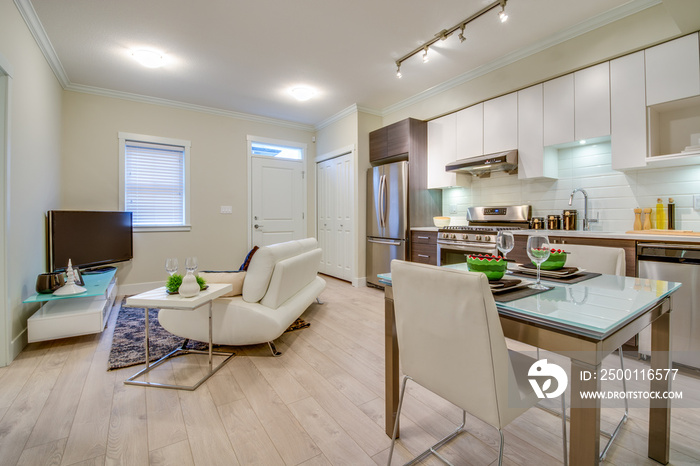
x: 234, y: 278
x: 246, y: 262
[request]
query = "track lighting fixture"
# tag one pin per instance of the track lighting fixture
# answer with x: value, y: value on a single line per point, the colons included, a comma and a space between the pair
x: 445, y: 33
x: 461, y: 34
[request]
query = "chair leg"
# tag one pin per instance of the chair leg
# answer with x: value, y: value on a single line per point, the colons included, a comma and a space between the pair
x: 184, y: 343
x: 273, y: 348
x: 318, y: 300
x: 500, y: 449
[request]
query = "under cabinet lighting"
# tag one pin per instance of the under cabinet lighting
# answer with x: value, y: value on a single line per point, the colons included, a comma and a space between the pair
x: 445, y: 33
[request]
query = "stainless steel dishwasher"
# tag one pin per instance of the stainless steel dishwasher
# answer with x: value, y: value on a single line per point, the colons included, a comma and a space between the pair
x: 675, y: 263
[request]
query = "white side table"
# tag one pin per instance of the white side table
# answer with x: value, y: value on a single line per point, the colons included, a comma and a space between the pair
x: 159, y: 298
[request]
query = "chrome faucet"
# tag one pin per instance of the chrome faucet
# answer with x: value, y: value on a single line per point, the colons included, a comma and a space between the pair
x: 586, y: 221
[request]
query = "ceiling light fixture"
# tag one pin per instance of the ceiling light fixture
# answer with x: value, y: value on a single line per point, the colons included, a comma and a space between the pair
x: 302, y: 93
x: 148, y: 58
x: 445, y: 33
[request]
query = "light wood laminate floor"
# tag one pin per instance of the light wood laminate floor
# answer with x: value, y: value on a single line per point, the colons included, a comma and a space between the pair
x: 320, y: 403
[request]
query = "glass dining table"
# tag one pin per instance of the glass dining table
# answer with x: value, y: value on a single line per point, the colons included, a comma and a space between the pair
x: 585, y: 322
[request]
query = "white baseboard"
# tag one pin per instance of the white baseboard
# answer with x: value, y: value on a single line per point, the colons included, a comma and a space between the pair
x: 136, y: 288
x: 17, y: 345
x: 359, y: 282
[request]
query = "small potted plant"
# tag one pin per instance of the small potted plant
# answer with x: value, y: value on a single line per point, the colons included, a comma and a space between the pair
x: 173, y: 284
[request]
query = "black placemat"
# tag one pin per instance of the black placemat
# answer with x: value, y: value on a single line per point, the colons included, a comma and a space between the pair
x: 517, y: 293
x: 579, y: 277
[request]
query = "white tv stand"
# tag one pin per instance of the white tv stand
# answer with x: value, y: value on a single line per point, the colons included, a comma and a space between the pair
x: 69, y: 316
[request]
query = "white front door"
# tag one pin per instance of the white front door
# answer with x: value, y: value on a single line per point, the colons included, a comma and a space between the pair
x: 278, y: 206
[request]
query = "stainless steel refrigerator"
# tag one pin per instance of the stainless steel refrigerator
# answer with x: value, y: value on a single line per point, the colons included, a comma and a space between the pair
x: 387, y: 217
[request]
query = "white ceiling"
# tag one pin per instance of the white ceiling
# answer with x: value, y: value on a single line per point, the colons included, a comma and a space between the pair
x: 243, y: 56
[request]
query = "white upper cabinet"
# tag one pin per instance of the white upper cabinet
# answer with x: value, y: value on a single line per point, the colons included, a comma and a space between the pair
x: 501, y: 123
x: 442, y: 145
x: 628, y: 112
x: 559, y: 110
x: 470, y: 131
x: 592, y: 102
x: 673, y: 70
x: 533, y: 162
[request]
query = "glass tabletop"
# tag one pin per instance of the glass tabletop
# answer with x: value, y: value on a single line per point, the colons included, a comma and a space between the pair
x: 596, y: 307
x: 95, y: 284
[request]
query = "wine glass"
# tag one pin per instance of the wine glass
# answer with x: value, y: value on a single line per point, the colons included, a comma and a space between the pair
x: 538, y: 252
x: 171, y: 265
x: 505, y: 242
x: 191, y: 264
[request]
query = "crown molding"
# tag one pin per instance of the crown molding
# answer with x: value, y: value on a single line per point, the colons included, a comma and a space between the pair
x: 582, y: 28
x: 352, y: 109
x: 26, y: 9
x: 186, y: 106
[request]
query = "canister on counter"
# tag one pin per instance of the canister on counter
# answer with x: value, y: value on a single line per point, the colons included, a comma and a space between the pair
x: 537, y: 223
x: 554, y: 222
x: 570, y: 219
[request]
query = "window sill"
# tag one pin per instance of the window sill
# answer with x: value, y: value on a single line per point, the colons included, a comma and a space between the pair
x: 155, y: 229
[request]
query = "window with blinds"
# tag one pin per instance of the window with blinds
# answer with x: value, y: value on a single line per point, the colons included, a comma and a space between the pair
x: 154, y: 186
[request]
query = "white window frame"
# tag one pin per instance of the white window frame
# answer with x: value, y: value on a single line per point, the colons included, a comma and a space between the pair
x: 123, y: 137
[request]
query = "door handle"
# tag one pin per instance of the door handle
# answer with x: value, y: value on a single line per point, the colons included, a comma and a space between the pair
x: 257, y: 227
x: 381, y: 201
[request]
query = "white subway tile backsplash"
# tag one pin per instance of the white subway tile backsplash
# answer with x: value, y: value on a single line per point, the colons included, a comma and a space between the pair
x: 611, y: 194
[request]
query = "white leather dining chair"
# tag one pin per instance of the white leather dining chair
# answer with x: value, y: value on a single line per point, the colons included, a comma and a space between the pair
x: 451, y: 343
x: 611, y: 261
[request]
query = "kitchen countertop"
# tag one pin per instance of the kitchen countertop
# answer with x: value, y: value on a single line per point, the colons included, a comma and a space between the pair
x: 614, y: 235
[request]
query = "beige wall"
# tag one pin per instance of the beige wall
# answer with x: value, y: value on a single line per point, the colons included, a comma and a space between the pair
x: 90, y: 176
x: 34, y: 167
x: 635, y: 32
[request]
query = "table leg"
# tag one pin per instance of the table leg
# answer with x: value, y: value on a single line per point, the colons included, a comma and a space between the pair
x: 585, y: 415
x: 210, y: 339
x: 660, y: 409
x: 147, y: 341
x: 391, y: 358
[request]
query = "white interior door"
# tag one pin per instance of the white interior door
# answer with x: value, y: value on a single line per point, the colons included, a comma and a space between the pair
x: 277, y: 204
x: 335, y: 215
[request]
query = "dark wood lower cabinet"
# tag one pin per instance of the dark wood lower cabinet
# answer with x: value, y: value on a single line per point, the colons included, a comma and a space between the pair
x: 424, y: 247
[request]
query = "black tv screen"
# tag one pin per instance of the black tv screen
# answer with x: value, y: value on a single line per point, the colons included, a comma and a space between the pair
x: 89, y: 238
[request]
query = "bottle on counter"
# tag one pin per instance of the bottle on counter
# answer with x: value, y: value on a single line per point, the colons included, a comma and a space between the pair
x: 660, y: 215
x: 671, y: 214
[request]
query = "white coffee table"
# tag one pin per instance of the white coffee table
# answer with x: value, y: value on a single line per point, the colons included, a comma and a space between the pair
x: 159, y: 298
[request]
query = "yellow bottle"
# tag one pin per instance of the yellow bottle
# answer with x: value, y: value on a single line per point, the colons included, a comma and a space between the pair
x: 660, y: 215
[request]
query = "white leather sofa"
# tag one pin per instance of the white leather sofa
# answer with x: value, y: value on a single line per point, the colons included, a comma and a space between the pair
x: 281, y: 282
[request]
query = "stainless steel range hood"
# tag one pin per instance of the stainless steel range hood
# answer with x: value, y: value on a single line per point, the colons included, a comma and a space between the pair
x: 483, y: 165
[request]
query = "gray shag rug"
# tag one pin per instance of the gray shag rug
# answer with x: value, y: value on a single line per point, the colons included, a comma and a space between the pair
x: 128, y: 345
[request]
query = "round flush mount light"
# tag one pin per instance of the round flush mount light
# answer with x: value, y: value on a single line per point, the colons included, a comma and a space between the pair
x: 148, y: 58
x: 302, y: 93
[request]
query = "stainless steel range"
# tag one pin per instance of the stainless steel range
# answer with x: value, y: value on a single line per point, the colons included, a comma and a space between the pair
x: 455, y: 243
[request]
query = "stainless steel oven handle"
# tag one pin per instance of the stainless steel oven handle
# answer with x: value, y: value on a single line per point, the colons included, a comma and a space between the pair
x: 390, y: 243
x: 470, y: 247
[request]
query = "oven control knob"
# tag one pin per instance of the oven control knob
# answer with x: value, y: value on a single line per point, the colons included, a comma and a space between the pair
x: 478, y: 237
x: 487, y: 238
x: 465, y: 236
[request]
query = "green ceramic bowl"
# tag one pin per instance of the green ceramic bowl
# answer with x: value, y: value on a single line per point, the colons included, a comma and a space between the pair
x: 492, y: 266
x: 555, y: 261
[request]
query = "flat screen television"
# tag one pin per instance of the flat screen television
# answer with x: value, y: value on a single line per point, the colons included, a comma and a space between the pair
x: 89, y: 238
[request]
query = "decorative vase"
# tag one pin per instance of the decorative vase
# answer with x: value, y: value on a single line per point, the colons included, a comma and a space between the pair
x: 189, y: 286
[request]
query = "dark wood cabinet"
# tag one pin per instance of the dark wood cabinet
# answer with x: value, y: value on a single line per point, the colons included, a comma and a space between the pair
x: 397, y: 140
x: 519, y: 253
x: 424, y: 247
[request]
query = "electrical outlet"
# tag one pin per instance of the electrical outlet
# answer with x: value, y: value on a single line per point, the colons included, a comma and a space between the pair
x: 453, y: 209
x: 696, y: 202
x: 226, y: 209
